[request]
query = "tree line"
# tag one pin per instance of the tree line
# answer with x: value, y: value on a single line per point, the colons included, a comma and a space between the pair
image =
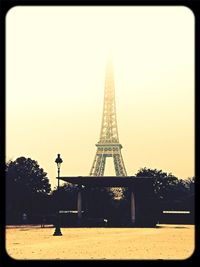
x: 28, y: 191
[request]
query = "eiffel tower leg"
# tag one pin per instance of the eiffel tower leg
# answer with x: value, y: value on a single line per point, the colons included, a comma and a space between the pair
x: 102, y: 166
x: 123, y: 166
x: 98, y: 166
x: 93, y: 166
x: 119, y: 165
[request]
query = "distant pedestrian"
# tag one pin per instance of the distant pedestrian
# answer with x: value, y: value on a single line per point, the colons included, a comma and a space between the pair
x: 24, y: 218
x: 43, y: 222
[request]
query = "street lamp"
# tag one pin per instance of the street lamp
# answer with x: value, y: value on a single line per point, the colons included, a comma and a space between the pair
x: 58, y: 161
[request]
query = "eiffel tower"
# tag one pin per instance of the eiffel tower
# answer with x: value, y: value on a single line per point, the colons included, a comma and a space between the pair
x: 108, y: 145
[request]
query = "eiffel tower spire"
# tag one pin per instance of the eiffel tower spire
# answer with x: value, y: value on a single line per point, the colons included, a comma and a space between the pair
x: 108, y: 145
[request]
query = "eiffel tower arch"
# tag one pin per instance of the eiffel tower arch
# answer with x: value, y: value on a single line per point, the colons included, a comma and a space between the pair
x: 108, y: 145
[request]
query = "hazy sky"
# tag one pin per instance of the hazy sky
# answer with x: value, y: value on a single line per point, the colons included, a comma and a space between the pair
x: 55, y: 74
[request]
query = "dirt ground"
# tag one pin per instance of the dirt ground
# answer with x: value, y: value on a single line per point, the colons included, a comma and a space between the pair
x: 162, y: 242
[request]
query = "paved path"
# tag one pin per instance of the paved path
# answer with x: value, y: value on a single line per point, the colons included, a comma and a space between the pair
x: 164, y: 242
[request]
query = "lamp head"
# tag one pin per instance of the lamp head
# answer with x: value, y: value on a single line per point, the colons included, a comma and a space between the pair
x: 58, y: 161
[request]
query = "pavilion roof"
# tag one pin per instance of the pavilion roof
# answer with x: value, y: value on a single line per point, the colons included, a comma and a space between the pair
x: 108, y: 181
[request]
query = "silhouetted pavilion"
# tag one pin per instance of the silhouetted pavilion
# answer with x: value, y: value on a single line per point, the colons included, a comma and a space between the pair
x: 141, y: 190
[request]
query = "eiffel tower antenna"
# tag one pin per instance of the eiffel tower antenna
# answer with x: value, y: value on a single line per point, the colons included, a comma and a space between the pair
x: 108, y: 145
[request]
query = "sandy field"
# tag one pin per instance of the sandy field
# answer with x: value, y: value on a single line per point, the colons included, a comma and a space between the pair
x: 162, y: 242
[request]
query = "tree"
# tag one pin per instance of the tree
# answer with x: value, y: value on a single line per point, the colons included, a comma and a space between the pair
x: 95, y: 200
x: 189, y: 198
x: 26, y: 182
x: 65, y: 198
x: 190, y: 184
x: 164, y: 184
x: 96, y: 203
x: 171, y: 192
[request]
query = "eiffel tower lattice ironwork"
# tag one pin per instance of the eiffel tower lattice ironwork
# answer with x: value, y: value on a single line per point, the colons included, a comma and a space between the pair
x: 108, y: 145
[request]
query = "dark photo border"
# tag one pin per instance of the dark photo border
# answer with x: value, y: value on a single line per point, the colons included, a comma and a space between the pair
x: 5, y: 6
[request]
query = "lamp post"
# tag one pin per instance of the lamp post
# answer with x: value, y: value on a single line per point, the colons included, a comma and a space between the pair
x: 58, y: 161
